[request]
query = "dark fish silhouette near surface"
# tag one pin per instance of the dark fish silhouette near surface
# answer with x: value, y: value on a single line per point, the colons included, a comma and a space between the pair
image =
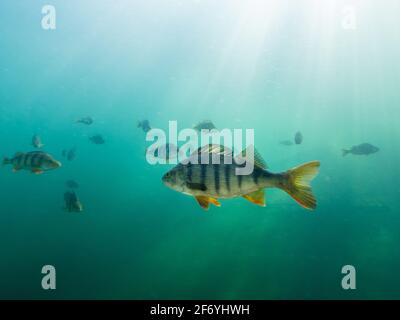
x: 85, y: 120
x: 36, y: 141
x: 298, y: 138
x: 72, y: 203
x: 206, y: 125
x: 72, y: 184
x: 207, y: 182
x: 361, y: 149
x: 97, y: 139
x: 36, y: 161
x: 145, y: 125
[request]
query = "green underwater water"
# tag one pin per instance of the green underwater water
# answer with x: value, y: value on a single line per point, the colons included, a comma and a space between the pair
x: 274, y: 66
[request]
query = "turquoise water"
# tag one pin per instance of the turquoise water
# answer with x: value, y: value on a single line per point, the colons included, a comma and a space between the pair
x: 274, y: 66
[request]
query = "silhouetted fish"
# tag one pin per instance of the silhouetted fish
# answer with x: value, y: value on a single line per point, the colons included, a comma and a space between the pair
x: 35, y: 161
x: 145, y: 125
x: 207, y: 182
x: 298, y: 138
x: 206, y: 125
x: 36, y: 141
x: 97, y: 139
x: 361, y: 149
x: 69, y: 154
x: 85, y: 120
x: 72, y: 203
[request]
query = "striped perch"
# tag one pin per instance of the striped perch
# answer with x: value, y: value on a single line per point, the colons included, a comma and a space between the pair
x: 35, y: 161
x: 208, y: 182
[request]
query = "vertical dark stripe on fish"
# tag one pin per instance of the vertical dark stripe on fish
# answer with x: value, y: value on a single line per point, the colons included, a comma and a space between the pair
x: 239, y: 177
x: 26, y: 160
x: 189, y: 171
x: 41, y: 159
x: 227, y: 170
x: 33, y: 159
x: 256, y: 175
x: 203, y: 169
x: 216, y: 177
x: 35, y: 162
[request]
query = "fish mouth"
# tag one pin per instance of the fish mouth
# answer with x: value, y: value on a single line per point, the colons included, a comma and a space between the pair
x: 56, y: 164
x: 174, y: 185
x: 52, y: 165
x: 164, y: 180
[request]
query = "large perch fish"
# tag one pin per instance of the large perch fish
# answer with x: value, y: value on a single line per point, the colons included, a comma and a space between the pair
x: 207, y: 182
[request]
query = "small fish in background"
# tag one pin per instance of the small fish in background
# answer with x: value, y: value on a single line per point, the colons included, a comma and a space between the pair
x: 69, y: 154
x: 166, y: 152
x: 145, y: 125
x: 37, y: 142
x: 72, y: 203
x: 36, y: 161
x: 85, y: 120
x: 97, y: 139
x: 286, y: 143
x: 72, y: 184
x: 364, y: 149
x: 298, y: 138
x: 205, y: 124
x: 208, y: 182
